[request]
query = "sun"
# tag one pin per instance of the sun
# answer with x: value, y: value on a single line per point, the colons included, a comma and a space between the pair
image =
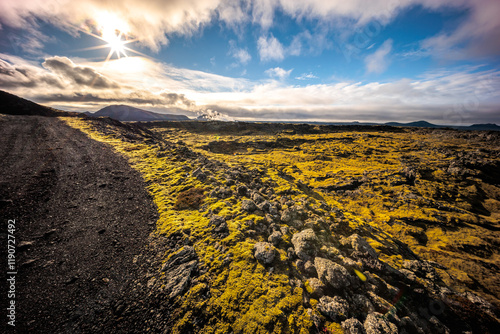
x: 116, y: 43
x: 114, y: 31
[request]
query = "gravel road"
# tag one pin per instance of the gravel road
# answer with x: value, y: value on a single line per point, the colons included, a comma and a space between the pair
x: 81, y: 215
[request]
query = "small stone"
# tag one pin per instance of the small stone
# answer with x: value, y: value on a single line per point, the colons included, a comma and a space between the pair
x: 309, y: 268
x: 248, y: 205
x: 287, y: 216
x: 199, y: 174
x: 71, y: 280
x: 242, y: 190
x: 25, y: 244
x: 264, y: 252
x: 49, y: 233
x: 28, y: 263
x: 257, y: 198
x: 264, y: 206
x: 275, y: 238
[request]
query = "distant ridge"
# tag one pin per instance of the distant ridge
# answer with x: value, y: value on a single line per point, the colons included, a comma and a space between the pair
x: 417, y: 124
x: 425, y: 124
x: 126, y: 113
x: 14, y: 105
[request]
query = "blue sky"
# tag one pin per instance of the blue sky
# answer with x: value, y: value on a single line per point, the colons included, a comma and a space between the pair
x: 259, y: 60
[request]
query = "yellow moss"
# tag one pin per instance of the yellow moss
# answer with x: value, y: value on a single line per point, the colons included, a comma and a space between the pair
x: 424, y: 216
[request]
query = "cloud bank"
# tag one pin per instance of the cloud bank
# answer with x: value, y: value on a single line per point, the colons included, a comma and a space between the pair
x: 154, y: 21
x: 461, y: 96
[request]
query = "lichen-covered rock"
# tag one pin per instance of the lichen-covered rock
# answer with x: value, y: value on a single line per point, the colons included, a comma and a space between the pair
x: 179, y: 270
x: 332, y: 273
x: 179, y: 277
x: 248, y: 205
x: 199, y: 174
x: 421, y: 268
x: 361, y: 306
x: 219, y: 226
x: 353, y: 326
x: 361, y: 245
x: 242, y: 190
x: 309, y: 268
x: 437, y: 326
x: 275, y: 238
x: 264, y: 252
x: 376, y: 323
x: 264, y: 206
x: 258, y: 198
x: 288, y: 215
x: 315, y: 287
x: 406, y: 324
x: 305, y: 244
x: 335, y: 308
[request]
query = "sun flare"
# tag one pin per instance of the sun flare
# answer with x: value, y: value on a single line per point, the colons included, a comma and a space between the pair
x: 114, y: 31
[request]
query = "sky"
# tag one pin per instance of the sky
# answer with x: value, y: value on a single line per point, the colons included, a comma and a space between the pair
x: 267, y: 60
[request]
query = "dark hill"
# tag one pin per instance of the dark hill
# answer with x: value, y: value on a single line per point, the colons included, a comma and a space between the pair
x: 126, y: 113
x: 15, y: 105
x: 488, y: 126
x: 417, y: 124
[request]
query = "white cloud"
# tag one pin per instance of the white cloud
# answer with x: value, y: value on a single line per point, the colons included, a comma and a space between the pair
x: 241, y: 55
x: 278, y: 72
x: 270, y: 48
x: 306, y: 76
x: 477, y: 36
x: 378, y: 61
x: 153, y: 21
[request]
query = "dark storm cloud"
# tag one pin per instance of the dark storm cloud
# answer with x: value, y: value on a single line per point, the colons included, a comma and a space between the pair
x: 80, y: 75
x: 136, y: 98
x: 12, y: 76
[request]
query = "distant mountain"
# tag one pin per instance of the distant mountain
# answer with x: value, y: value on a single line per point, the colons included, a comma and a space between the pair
x: 487, y: 126
x: 15, y: 105
x: 425, y: 124
x: 417, y: 124
x: 126, y: 113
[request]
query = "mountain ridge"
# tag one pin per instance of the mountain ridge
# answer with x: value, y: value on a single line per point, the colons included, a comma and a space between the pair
x: 125, y: 113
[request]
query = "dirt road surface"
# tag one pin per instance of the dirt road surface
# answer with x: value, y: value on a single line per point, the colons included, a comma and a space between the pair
x: 81, y: 215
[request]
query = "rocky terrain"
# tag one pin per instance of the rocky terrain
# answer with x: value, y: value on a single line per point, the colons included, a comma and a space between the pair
x: 256, y: 228
x: 371, y: 230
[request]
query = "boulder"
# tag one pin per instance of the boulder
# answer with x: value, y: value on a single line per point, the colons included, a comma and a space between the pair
x: 361, y: 306
x: 305, y: 244
x: 376, y: 323
x: 332, y: 274
x: 335, y: 308
x: 264, y: 252
x: 361, y: 245
x: 353, y: 326
x: 316, y: 287
x: 179, y: 270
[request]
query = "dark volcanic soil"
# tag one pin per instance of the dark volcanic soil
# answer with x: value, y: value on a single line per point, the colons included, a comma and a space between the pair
x: 81, y: 213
